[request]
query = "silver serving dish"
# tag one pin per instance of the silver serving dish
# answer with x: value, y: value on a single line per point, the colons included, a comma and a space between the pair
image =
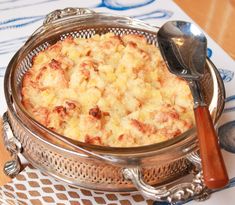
x: 96, y: 167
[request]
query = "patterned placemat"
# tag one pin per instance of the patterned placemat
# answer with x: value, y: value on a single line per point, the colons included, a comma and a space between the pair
x: 33, y: 187
x: 18, y: 20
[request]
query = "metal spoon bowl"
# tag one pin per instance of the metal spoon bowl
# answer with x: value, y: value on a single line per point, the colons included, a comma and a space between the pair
x: 183, y: 47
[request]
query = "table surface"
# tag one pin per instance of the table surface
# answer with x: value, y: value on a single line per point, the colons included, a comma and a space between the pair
x: 216, y: 17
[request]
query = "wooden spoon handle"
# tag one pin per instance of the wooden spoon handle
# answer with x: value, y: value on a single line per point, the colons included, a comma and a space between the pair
x: 214, y: 171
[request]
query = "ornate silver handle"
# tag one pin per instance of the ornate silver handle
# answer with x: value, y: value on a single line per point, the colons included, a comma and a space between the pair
x: 12, y: 167
x: 176, y: 193
x: 60, y: 13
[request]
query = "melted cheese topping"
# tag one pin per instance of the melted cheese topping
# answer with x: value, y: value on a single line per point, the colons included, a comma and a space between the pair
x: 107, y: 90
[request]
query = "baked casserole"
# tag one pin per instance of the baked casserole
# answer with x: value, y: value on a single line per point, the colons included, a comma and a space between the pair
x: 107, y: 90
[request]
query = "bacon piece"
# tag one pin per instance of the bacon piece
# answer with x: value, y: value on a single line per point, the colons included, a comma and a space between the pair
x: 167, y: 113
x: 176, y: 133
x: 93, y: 140
x: 105, y: 113
x: 88, y: 53
x: 56, y: 118
x: 121, y: 137
x: 95, y: 112
x: 72, y: 107
x: 55, y: 64
x: 132, y: 44
x: 143, y: 127
x: 60, y: 110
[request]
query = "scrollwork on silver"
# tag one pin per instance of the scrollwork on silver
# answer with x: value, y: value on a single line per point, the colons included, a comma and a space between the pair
x: 176, y: 193
x: 12, y: 167
x: 195, y: 159
x: 60, y: 13
x: 134, y: 175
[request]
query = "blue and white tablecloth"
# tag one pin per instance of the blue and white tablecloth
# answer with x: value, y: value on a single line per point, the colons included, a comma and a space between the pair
x: 19, y: 18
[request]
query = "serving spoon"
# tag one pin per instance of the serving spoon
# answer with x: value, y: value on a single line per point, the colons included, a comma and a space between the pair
x: 183, y: 47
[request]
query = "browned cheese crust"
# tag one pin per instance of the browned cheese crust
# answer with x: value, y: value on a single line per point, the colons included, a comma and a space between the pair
x: 107, y: 90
